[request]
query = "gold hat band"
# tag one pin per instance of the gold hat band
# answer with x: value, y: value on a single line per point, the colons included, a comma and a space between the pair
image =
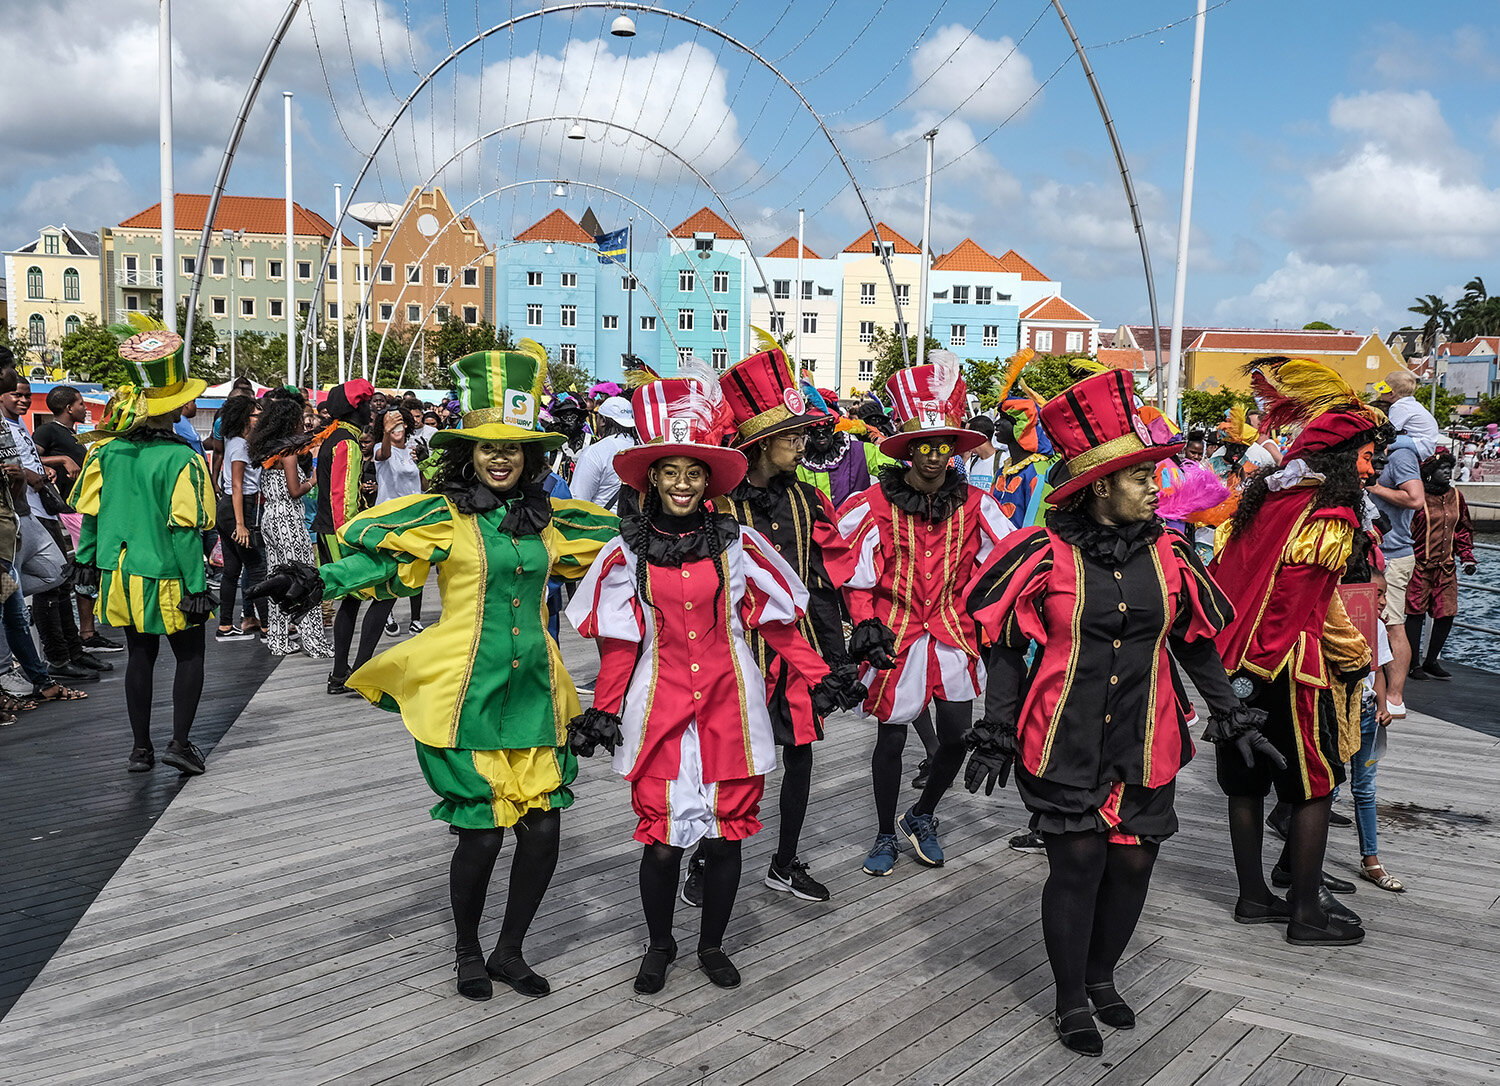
x: 758, y: 425
x: 1112, y: 449
x: 484, y: 415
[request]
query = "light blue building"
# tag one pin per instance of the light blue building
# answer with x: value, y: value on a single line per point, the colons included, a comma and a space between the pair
x: 702, y: 292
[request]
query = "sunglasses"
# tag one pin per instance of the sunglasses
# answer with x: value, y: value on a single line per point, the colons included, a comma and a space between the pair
x: 942, y: 448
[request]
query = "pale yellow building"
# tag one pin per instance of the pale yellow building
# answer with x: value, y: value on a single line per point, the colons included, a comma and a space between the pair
x: 1215, y: 359
x: 54, y: 282
x: 867, y: 302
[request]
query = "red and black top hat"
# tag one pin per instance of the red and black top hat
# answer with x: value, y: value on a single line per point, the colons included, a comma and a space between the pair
x: 930, y: 402
x: 764, y: 398
x: 1095, y: 427
x: 678, y: 416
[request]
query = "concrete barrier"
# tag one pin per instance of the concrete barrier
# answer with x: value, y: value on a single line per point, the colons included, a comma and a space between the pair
x: 1484, y: 503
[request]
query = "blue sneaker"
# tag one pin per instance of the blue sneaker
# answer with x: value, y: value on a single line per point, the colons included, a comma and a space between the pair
x: 921, y: 831
x: 883, y: 856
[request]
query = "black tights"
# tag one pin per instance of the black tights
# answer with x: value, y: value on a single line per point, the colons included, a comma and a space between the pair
x: 660, y: 867
x: 953, y: 718
x: 344, y: 621
x: 187, y: 682
x: 1306, y: 842
x: 796, y: 784
x: 1441, y: 627
x: 1097, y: 888
x: 531, y: 868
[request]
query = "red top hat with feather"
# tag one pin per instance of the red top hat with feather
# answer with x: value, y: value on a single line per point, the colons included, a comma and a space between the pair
x: 930, y: 402
x: 1095, y: 426
x: 682, y: 416
x: 764, y: 399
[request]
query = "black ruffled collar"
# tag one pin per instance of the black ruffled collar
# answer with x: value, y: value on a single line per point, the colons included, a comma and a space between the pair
x: 142, y: 435
x: 764, y: 499
x: 836, y: 452
x: 934, y: 507
x: 663, y: 546
x: 526, y: 512
x: 1102, y: 543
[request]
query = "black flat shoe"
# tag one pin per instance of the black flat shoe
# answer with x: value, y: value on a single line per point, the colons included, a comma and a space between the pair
x: 1436, y: 670
x: 473, y: 978
x: 718, y: 968
x: 1335, y: 910
x: 919, y: 782
x: 1083, y: 1037
x: 1281, y: 878
x: 513, y: 970
x: 1333, y: 933
x: 1277, y: 911
x: 1418, y: 673
x: 1109, y: 1007
x: 652, y: 975
x: 336, y: 685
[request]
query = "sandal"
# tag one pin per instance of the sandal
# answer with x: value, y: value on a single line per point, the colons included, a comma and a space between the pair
x: 1084, y: 1037
x: 1377, y: 874
x: 7, y: 718
x: 9, y: 704
x: 56, y: 691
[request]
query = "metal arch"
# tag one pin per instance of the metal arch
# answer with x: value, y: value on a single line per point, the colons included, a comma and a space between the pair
x: 626, y: 5
x: 492, y: 250
x: 380, y: 348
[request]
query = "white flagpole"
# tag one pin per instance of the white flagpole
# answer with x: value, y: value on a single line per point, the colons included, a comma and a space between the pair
x: 923, y: 297
x: 1179, y: 289
x: 338, y: 263
x: 168, y: 203
x: 364, y: 314
x: 801, y: 225
x: 288, y: 266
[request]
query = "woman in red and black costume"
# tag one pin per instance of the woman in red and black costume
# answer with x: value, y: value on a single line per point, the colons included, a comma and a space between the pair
x: 1291, y: 641
x: 1110, y: 598
x: 679, y: 698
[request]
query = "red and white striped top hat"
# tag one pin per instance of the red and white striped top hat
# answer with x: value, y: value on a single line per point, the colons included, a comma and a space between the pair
x: 929, y: 402
x: 680, y: 416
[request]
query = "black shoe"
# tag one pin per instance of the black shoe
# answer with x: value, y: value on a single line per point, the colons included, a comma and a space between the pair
x: 91, y: 662
x: 1280, y: 821
x: 1109, y: 1007
x: 141, y: 760
x: 1333, y: 933
x: 652, y: 975
x: 473, y: 977
x: 1277, y: 911
x: 233, y: 633
x: 692, y: 886
x: 1418, y: 673
x: 924, y: 768
x: 336, y: 684
x: 1337, y: 819
x: 1281, y: 878
x: 185, y: 757
x: 99, y: 643
x: 718, y: 968
x: 1335, y: 910
x: 1082, y: 1036
x: 73, y: 672
x: 1436, y: 670
x: 513, y: 970
x: 794, y: 879
x: 1030, y: 841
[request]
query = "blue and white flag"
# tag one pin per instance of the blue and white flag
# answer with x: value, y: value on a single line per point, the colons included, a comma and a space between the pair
x: 612, y: 246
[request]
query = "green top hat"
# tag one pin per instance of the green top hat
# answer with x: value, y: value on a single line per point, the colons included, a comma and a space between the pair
x: 501, y: 396
x: 158, y: 384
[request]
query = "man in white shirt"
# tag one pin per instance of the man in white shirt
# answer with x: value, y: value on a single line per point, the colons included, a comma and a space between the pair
x: 1410, y: 417
x: 594, y: 477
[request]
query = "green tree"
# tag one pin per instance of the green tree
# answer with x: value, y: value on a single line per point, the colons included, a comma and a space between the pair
x: 1318, y: 326
x: 982, y: 377
x: 1439, y: 319
x: 1205, y: 410
x: 1049, y: 374
x: 92, y: 353
x: 17, y: 343
x: 1447, y: 401
x: 886, y: 347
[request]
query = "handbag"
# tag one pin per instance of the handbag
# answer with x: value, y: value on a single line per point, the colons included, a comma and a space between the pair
x: 53, y: 503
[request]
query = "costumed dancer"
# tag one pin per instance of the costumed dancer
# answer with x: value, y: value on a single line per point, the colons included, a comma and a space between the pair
x: 569, y: 419
x: 1110, y: 598
x: 1020, y: 487
x: 679, y: 698
x: 146, y: 500
x: 1440, y: 532
x: 918, y: 536
x: 483, y: 690
x: 1291, y: 648
x: 837, y: 459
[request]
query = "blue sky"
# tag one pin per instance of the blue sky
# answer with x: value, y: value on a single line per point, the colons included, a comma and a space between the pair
x: 1347, y: 155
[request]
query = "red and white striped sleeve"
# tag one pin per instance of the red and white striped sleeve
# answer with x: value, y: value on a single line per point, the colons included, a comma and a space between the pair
x: 606, y: 604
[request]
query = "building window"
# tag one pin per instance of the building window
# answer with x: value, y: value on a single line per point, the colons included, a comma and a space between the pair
x: 273, y: 269
x: 685, y: 281
x: 386, y: 309
x: 442, y: 275
x: 190, y: 265
x: 247, y: 267
x: 810, y: 365
x: 958, y: 335
x: 807, y: 290
x: 413, y: 313
x: 903, y: 293
x: 533, y: 279
x: 720, y: 358
x: 333, y: 273
x: 534, y: 316
x: 34, y: 282
x: 71, y: 325
x: 721, y: 282
x: 684, y: 355
x: 36, y: 330
x: 442, y: 314
x: 867, y: 294
x: 304, y: 307
x: 684, y: 320
x: 247, y: 307
x: 50, y: 244
x: 778, y: 324
x: 867, y: 367
x: 721, y: 320
x: 866, y: 331
x: 703, y: 244
x: 333, y: 311
x: 610, y: 322
x: 133, y: 302
x: 216, y: 266
x: 387, y: 273
x: 304, y: 269
x: 810, y: 323
x: 414, y: 274
x: 278, y: 307
x: 471, y: 277
x: 960, y: 295
x: 781, y: 288
x: 568, y: 352
x: 648, y: 324
x: 1043, y: 341
x: 471, y: 314
x: 70, y: 285
x: 570, y: 279
x: 1075, y: 342
x: 570, y: 316
x: 627, y: 283
x: 218, y: 307
x: 991, y: 335
x: 982, y: 295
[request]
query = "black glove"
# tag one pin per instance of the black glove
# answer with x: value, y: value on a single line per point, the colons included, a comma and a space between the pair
x: 197, y: 607
x: 874, y: 643
x: 1349, y: 678
x: 594, y: 728
x: 839, y: 689
x: 294, y: 586
x: 1241, y: 727
x: 992, y: 751
x: 85, y: 575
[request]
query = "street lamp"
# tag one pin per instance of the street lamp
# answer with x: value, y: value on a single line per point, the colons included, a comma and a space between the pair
x: 576, y: 132
x: 623, y: 27
x: 230, y: 237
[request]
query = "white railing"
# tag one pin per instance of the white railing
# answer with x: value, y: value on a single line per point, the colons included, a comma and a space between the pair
x: 138, y: 279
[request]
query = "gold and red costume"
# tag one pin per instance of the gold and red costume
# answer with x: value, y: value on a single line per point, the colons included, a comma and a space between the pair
x: 1440, y: 532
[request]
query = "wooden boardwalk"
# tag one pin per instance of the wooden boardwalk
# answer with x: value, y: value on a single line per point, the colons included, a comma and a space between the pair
x: 286, y: 921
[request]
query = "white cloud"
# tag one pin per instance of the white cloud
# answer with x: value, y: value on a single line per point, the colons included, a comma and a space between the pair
x: 87, y: 195
x: 1409, y: 124
x: 1302, y: 290
x: 956, y: 68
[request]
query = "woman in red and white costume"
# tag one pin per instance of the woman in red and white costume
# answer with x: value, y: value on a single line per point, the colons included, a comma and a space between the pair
x: 921, y: 533
x: 679, y: 699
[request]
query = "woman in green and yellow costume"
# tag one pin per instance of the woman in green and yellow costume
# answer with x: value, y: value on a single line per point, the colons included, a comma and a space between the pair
x: 483, y: 690
x: 146, y: 500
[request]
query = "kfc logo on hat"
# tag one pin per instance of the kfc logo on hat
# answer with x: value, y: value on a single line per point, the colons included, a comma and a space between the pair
x: 679, y: 430
x: 795, y: 402
x: 930, y: 414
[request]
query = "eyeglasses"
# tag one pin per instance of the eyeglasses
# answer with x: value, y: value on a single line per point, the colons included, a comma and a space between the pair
x: 942, y: 448
x: 798, y: 438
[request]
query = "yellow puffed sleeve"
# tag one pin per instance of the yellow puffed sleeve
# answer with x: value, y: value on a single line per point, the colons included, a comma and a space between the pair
x: 85, y: 496
x: 192, y: 497
x: 392, y: 547
x: 1325, y: 542
x: 576, y: 534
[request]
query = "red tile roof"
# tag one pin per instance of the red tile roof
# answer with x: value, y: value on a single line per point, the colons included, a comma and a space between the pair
x: 704, y: 221
x: 1054, y: 309
x: 1013, y: 261
x: 967, y: 256
x: 253, y: 214
x: 789, y: 248
x: 556, y: 225
x: 1123, y: 358
x: 1460, y: 348
x: 865, y: 243
x: 1285, y: 341
x: 1141, y: 333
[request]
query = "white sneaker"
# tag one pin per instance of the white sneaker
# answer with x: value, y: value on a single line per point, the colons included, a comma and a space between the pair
x: 16, y: 684
x: 391, y: 629
x: 416, y: 627
x: 1396, y: 709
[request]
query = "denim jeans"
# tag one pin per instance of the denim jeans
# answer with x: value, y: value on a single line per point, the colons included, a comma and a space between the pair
x: 18, y: 638
x: 1362, y: 769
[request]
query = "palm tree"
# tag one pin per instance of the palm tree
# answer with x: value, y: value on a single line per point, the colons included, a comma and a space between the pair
x: 1474, y: 288
x: 1439, y: 318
